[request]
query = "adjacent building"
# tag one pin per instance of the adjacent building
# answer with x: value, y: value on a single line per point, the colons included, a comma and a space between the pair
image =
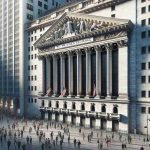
x: 14, y: 14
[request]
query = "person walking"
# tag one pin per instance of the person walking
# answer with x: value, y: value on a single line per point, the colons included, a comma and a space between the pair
x: 8, y: 144
x: 24, y: 146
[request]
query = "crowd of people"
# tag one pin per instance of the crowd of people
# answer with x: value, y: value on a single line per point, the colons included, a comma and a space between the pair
x: 19, y: 133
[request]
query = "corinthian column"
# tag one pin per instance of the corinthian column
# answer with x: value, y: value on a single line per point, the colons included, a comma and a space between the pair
x: 48, y: 73
x: 43, y: 86
x: 70, y: 75
x: 109, y: 71
x: 98, y: 72
x: 62, y: 61
x: 88, y: 73
x: 79, y: 74
x: 55, y: 75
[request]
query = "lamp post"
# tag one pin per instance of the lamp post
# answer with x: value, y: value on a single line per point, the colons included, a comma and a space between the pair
x: 147, y: 128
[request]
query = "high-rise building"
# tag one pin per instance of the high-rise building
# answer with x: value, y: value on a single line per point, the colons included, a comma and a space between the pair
x: 14, y: 14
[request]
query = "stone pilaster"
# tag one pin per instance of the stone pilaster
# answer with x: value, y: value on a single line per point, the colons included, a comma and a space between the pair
x: 123, y: 72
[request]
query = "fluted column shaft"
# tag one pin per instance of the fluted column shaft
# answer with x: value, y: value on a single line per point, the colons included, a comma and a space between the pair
x: 109, y: 72
x: 43, y: 86
x: 48, y: 73
x: 88, y: 73
x: 98, y: 72
x: 55, y: 75
x: 79, y: 73
x: 62, y: 61
x: 70, y: 73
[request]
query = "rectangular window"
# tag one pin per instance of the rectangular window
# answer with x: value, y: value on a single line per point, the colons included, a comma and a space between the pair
x: 148, y: 33
x: 113, y: 8
x: 142, y: 1
x: 143, y: 93
x: 143, y: 22
x: 149, y: 8
x: 149, y: 110
x: 40, y: 3
x: 143, y: 34
x: 143, y: 79
x: 148, y: 79
x: 143, y: 50
x: 45, y: 7
x: 39, y: 12
x: 53, y: 2
x: 29, y: 17
x: 143, y: 10
x: 35, y: 100
x: 35, y: 67
x: 148, y: 93
x: 148, y: 49
x: 143, y: 66
x: 148, y: 65
x: 143, y: 110
x: 28, y: 100
x: 149, y: 21
x: 29, y: 7
x: 35, y: 88
x: 113, y: 15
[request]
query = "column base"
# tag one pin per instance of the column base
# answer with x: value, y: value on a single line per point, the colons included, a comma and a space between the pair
x: 54, y: 95
x: 108, y: 96
x: 87, y: 96
x: 97, y: 97
x: 70, y: 96
x: 78, y: 96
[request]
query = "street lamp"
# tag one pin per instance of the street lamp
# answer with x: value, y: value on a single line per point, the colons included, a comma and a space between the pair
x: 147, y: 127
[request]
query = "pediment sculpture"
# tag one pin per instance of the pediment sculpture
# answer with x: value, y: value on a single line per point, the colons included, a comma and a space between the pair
x: 72, y: 28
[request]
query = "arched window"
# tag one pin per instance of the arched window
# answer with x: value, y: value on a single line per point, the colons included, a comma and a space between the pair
x: 65, y: 105
x: 115, y: 110
x: 57, y: 104
x: 49, y: 104
x: 103, y: 109
x: 42, y: 104
x: 92, y: 107
x: 82, y: 106
x: 73, y: 106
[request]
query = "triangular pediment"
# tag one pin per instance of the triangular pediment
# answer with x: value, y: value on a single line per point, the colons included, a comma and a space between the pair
x: 73, y: 26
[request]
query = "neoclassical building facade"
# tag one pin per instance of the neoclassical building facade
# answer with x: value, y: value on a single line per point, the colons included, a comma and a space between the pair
x: 85, y: 71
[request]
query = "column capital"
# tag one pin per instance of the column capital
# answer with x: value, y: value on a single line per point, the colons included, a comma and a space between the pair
x: 87, y: 50
x: 61, y: 54
x: 97, y: 48
x: 78, y: 51
x: 69, y: 53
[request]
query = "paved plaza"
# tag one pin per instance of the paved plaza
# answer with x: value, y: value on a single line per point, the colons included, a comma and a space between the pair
x: 45, y: 135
